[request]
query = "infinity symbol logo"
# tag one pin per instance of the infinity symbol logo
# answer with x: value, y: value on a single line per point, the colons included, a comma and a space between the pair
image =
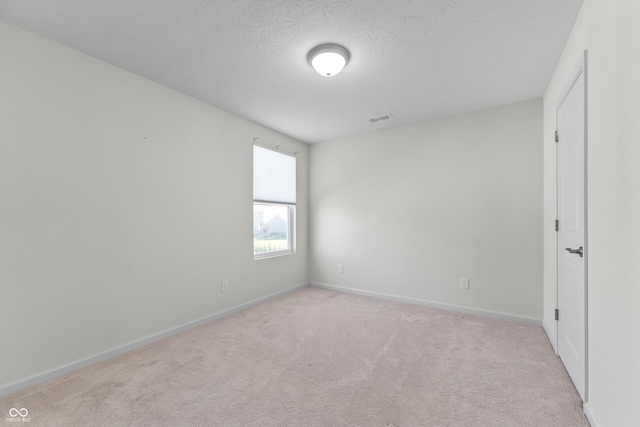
x: 13, y: 412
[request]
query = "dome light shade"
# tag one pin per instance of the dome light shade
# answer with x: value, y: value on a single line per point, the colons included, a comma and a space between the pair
x: 328, y: 59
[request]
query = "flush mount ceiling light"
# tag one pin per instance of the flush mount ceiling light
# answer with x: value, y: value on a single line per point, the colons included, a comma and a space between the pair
x: 328, y: 59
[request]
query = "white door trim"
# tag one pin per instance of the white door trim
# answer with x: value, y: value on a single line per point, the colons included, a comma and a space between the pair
x: 581, y: 68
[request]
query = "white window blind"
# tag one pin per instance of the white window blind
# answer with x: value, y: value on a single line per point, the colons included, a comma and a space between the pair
x: 274, y: 176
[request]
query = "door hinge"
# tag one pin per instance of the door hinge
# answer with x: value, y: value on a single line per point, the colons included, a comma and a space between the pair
x: 557, y: 225
x: 557, y: 314
x: 557, y: 137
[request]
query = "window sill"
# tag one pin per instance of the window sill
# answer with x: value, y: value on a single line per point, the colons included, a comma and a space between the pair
x: 272, y: 255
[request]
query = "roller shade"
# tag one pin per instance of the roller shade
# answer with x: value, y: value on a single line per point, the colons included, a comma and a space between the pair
x: 274, y: 176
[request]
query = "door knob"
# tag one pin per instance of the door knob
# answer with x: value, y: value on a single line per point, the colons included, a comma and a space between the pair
x: 576, y: 251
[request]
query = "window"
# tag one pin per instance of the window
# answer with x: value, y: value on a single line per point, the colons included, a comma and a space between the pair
x: 274, y: 202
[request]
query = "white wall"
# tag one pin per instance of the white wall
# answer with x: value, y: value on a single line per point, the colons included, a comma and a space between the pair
x: 609, y: 30
x: 123, y: 205
x: 409, y: 211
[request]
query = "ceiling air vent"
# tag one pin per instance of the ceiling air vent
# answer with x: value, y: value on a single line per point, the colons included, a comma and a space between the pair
x: 380, y: 118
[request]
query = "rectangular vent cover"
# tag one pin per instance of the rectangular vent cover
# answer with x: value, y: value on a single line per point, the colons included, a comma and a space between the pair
x: 380, y: 118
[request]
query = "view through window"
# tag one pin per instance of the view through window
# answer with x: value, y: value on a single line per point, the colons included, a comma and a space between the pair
x: 271, y: 228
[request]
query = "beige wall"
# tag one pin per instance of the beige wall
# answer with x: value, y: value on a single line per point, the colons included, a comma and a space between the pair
x: 123, y: 205
x: 409, y: 211
x: 610, y: 32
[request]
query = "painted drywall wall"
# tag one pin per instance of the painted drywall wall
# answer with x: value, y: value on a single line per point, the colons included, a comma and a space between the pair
x: 609, y: 31
x: 122, y: 207
x: 409, y: 211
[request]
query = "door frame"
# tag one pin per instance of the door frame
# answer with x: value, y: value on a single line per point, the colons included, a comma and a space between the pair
x: 580, y: 68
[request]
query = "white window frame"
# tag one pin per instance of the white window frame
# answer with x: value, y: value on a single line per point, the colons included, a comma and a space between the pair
x: 289, y: 203
x: 291, y: 238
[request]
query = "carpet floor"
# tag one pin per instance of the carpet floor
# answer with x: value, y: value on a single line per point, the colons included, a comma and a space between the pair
x: 316, y: 357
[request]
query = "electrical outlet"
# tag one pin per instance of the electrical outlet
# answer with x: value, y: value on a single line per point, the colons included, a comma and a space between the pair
x: 340, y: 268
x: 464, y: 283
x: 225, y: 286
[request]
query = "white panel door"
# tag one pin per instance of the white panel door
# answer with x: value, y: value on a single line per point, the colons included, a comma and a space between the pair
x: 572, y: 230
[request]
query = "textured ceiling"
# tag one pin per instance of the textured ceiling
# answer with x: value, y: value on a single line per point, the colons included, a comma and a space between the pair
x: 413, y: 59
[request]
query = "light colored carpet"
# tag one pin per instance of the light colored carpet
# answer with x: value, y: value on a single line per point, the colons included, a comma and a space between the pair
x: 322, y: 358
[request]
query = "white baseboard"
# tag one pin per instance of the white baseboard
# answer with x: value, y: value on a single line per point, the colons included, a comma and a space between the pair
x: 425, y: 303
x: 551, y: 340
x: 591, y: 416
x: 10, y: 388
